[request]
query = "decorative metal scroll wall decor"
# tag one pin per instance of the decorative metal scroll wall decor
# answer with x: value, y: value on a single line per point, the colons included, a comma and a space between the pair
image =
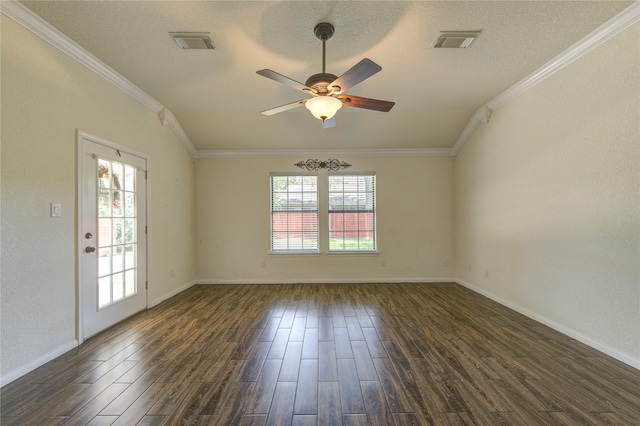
x: 312, y: 165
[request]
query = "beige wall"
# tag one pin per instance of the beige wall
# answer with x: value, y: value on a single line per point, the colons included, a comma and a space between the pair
x: 547, y: 198
x: 46, y: 98
x: 414, y: 223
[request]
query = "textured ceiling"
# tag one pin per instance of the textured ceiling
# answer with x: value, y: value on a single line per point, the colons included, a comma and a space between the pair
x: 217, y: 96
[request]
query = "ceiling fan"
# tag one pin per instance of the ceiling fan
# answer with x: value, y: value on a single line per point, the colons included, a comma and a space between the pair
x: 328, y: 90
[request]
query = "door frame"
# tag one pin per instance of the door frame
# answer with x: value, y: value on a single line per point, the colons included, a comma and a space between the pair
x: 81, y: 138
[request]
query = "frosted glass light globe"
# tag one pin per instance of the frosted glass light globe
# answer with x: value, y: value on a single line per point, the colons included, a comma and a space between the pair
x: 323, y: 107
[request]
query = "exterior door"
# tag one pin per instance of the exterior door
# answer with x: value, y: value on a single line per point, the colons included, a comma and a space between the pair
x: 112, y: 235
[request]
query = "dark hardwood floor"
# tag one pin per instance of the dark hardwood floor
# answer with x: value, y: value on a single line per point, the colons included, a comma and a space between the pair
x: 336, y: 354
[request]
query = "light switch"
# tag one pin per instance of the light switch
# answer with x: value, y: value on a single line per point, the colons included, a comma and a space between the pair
x: 56, y: 210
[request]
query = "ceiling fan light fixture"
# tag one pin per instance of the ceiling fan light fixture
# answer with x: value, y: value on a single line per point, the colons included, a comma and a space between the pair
x: 328, y: 89
x: 323, y: 107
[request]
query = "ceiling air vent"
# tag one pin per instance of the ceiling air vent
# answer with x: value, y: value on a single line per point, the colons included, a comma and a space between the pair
x: 455, y: 39
x: 193, y: 40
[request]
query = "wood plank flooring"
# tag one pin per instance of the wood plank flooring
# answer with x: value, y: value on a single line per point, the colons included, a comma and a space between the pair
x: 334, y: 354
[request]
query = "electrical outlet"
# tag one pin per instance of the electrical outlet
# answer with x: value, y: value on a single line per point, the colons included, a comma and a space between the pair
x: 469, y: 266
x: 383, y: 263
x: 263, y: 264
x: 486, y: 273
x: 173, y: 273
x: 446, y: 262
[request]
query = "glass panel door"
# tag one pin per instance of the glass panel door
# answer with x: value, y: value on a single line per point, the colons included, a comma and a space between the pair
x: 117, y: 242
x: 112, y: 236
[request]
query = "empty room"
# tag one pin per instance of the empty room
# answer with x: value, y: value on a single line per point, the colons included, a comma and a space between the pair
x: 320, y: 213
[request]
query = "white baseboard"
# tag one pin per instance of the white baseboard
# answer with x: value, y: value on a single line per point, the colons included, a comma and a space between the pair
x: 330, y: 281
x: 61, y: 350
x: 172, y: 293
x: 558, y: 327
x: 543, y: 320
x: 37, y: 363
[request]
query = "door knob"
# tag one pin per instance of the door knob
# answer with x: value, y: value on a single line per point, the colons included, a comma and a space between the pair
x: 89, y: 249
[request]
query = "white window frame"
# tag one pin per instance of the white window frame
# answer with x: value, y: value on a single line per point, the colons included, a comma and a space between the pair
x: 374, y: 248
x: 301, y: 249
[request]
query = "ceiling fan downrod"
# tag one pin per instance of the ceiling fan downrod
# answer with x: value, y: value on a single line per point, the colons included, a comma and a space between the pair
x: 320, y: 82
x: 327, y: 89
x: 324, y: 31
x: 324, y: 55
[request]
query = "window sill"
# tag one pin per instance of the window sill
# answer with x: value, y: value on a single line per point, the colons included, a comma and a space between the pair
x: 329, y: 253
x: 295, y: 253
x: 352, y: 253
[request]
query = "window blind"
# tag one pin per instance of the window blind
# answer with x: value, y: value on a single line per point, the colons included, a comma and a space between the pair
x: 352, y: 212
x: 294, y: 213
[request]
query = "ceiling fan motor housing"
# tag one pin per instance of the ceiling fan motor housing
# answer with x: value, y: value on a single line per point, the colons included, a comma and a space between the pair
x: 328, y: 89
x: 320, y: 81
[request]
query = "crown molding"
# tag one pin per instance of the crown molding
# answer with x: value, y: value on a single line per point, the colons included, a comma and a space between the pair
x: 605, y: 32
x: 32, y: 22
x: 614, y: 26
x: 38, y: 26
x: 167, y: 117
x: 482, y: 115
x: 280, y: 153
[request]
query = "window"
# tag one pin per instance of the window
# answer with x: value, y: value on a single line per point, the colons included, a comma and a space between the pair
x: 294, y: 213
x: 352, y: 212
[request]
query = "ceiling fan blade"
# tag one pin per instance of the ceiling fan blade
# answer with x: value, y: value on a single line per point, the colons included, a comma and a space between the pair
x: 358, y: 73
x: 283, y: 108
x: 329, y: 122
x: 284, y: 80
x: 366, y: 103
